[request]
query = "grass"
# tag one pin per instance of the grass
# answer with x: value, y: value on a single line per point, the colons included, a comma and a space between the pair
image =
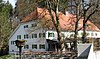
x: 7, y: 57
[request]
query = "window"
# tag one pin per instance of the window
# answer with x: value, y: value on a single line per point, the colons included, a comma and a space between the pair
x: 34, y: 25
x: 12, y: 42
x: 34, y: 35
x: 12, y: 50
x: 91, y: 34
x: 34, y: 46
x: 26, y: 36
x: 50, y: 34
x: 71, y: 35
x: 87, y: 34
x: 18, y: 36
x: 41, y: 46
x: 62, y: 34
x: 41, y: 35
x: 95, y: 34
x: 26, y: 26
x: 26, y: 47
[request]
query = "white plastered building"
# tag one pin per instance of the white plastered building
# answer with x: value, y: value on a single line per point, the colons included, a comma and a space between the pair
x: 37, y: 40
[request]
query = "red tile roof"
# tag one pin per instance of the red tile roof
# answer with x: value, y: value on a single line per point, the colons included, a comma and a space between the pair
x: 67, y: 22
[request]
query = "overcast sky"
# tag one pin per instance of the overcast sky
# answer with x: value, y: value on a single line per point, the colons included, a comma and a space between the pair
x: 12, y: 2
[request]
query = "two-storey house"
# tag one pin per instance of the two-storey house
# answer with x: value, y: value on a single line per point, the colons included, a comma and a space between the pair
x: 39, y: 38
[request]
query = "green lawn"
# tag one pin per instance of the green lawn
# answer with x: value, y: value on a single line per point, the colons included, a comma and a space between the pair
x: 7, y: 57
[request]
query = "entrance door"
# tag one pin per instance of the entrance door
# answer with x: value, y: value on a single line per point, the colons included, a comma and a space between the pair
x: 52, y: 47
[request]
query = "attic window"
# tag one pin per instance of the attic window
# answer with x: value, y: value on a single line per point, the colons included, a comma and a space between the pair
x: 25, y: 26
x: 72, y: 24
x: 34, y: 25
x: 87, y: 25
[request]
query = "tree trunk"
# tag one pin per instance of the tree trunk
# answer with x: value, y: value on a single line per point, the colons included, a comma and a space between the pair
x: 56, y: 24
x: 75, y: 36
x: 84, y: 32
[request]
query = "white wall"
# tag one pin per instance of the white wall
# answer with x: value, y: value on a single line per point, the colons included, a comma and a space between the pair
x: 96, y: 55
x: 91, y: 53
x: 91, y: 34
x: 22, y: 31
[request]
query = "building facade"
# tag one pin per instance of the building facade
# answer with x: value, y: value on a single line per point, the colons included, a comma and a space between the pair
x: 39, y: 39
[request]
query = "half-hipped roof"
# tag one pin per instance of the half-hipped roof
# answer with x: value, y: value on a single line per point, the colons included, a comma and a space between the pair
x: 67, y: 22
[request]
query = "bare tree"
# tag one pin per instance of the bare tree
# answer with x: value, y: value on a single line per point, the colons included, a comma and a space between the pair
x: 78, y: 17
x: 52, y: 6
x: 56, y: 22
x: 91, y: 6
x: 83, y: 9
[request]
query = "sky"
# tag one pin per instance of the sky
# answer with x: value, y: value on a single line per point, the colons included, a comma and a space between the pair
x: 12, y: 2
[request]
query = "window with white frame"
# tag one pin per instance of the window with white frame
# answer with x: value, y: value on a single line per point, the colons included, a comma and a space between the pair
x: 12, y: 42
x: 92, y: 34
x: 96, y: 34
x: 41, y: 35
x: 62, y: 34
x: 18, y: 36
x: 87, y: 34
x: 42, y: 46
x: 26, y: 36
x: 50, y: 34
x: 12, y: 50
x: 34, y: 35
x: 34, y: 46
x: 26, y: 47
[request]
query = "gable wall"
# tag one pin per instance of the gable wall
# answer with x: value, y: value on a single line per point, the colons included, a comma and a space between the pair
x: 22, y: 31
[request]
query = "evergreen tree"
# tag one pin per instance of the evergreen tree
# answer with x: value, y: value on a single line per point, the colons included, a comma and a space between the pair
x: 5, y: 28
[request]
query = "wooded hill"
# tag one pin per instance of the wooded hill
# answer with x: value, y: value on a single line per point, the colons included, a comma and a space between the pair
x: 25, y: 7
